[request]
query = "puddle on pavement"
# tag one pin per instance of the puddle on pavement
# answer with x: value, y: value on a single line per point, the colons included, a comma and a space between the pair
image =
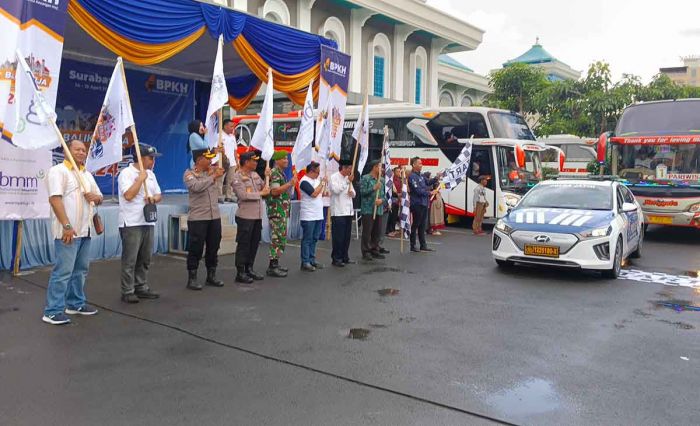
x: 358, y: 333
x: 388, y: 292
x: 533, y: 396
x: 380, y: 269
x: 678, y: 324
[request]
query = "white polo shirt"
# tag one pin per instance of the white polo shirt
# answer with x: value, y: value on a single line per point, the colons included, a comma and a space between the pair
x: 63, y: 181
x: 131, y: 212
x: 311, y: 208
x: 341, y: 201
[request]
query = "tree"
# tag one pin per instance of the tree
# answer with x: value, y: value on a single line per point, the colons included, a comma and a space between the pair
x: 516, y: 86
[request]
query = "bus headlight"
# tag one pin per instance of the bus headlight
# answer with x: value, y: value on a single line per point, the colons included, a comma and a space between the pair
x: 502, y: 226
x: 595, y: 233
x: 511, y: 199
x: 694, y: 208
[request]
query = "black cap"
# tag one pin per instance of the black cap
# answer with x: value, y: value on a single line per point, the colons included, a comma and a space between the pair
x: 202, y: 153
x: 345, y: 162
x: 250, y: 155
x: 147, y: 150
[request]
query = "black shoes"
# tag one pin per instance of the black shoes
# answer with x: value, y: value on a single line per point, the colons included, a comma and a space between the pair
x: 192, y: 283
x: 382, y: 250
x: 274, y: 269
x: 338, y: 263
x: 377, y: 255
x: 426, y: 249
x: 130, y: 298
x: 252, y: 274
x: 415, y: 250
x: 307, y: 267
x: 367, y: 257
x: 318, y: 265
x: 212, y: 280
x: 242, y: 276
x: 349, y: 262
x: 146, y: 294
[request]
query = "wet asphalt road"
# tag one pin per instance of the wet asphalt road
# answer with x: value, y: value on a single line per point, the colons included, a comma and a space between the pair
x: 460, y: 339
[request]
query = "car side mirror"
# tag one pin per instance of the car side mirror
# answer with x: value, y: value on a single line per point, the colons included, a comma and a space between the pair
x: 629, y: 207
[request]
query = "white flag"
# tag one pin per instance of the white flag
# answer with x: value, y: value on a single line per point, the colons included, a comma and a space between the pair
x: 31, y: 123
x: 301, y: 154
x: 116, y: 117
x: 361, y: 135
x: 458, y: 170
x: 263, y: 137
x: 218, y: 97
x: 323, y: 134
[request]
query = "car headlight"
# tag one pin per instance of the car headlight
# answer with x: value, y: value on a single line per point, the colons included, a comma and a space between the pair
x: 511, y: 199
x: 694, y: 208
x: 502, y: 226
x: 597, y: 232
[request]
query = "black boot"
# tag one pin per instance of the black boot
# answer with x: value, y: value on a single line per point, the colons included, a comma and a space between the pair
x: 242, y: 276
x: 211, y: 278
x: 192, y: 280
x: 252, y: 274
x: 280, y: 267
x: 274, y: 269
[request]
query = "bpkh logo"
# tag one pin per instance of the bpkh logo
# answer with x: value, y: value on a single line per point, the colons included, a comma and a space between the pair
x: 20, y: 182
x: 162, y: 85
x: 335, y: 68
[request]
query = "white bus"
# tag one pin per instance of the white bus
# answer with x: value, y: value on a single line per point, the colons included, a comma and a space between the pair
x: 504, y: 147
x: 578, y: 153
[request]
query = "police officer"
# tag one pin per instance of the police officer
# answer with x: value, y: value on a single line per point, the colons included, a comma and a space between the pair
x: 278, y: 205
x: 204, y: 218
x: 249, y: 188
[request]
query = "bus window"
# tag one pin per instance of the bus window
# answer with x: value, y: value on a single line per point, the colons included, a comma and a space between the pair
x: 577, y: 153
x: 509, y: 125
x: 480, y: 165
x: 447, y: 127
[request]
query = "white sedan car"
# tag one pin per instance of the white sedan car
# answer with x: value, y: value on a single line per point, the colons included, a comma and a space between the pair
x: 583, y: 224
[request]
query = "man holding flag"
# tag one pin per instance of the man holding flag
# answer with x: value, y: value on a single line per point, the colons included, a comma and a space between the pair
x: 278, y: 205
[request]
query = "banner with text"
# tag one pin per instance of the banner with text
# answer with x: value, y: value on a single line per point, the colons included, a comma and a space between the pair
x: 162, y: 107
x: 333, y: 93
x: 36, y: 28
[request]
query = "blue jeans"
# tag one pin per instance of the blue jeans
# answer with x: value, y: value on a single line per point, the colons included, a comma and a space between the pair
x: 311, y: 231
x: 67, y: 279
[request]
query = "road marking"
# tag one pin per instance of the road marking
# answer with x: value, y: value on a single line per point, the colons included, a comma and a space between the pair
x: 660, y: 278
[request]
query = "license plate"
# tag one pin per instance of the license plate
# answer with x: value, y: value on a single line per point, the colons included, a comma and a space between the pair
x: 544, y: 251
x: 661, y: 220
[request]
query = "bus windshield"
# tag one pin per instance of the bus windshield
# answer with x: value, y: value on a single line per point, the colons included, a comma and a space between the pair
x: 660, y: 118
x: 514, y: 178
x: 508, y: 125
x: 660, y: 164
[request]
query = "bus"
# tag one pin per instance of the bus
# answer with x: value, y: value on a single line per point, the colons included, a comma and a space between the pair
x: 504, y: 148
x: 655, y: 148
x: 577, y: 154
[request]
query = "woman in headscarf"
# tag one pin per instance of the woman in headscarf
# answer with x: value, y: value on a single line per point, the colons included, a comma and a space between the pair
x: 196, y: 139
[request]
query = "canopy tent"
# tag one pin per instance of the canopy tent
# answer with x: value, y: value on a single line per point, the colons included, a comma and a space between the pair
x: 169, y: 34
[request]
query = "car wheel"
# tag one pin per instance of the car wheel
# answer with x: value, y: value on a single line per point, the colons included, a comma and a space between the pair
x: 636, y: 254
x: 614, y: 272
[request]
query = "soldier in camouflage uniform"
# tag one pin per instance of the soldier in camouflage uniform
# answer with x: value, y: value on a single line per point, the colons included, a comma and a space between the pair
x: 278, y: 205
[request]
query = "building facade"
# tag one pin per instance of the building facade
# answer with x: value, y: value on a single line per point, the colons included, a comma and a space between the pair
x: 398, y: 47
x: 688, y: 74
x: 537, y: 56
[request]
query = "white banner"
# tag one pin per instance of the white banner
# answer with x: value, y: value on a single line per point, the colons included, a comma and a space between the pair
x: 301, y: 153
x: 361, y: 135
x: 263, y: 137
x: 115, y: 118
x: 218, y: 97
x: 23, y: 189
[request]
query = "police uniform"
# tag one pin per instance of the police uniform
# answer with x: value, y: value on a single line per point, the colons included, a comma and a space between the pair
x: 203, y: 223
x: 277, y: 213
x: 247, y: 187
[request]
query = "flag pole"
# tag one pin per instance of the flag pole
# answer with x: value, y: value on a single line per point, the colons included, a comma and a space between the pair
x: 267, y: 166
x: 133, y: 126
x: 18, y: 248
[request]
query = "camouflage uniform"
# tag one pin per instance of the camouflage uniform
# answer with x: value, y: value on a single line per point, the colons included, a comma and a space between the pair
x: 277, y: 213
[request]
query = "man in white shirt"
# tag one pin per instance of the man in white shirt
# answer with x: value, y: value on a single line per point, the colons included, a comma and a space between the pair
x: 135, y: 232
x: 342, y: 211
x: 72, y: 210
x: 229, y: 164
x: 311, y: 187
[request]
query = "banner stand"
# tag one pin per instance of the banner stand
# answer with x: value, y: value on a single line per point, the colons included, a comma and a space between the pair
x: 16, y: 260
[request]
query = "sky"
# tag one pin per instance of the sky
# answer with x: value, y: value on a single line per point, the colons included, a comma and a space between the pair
x: 634, y: 37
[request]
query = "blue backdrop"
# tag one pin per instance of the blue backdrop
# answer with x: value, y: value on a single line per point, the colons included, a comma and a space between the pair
x: 162, y: 107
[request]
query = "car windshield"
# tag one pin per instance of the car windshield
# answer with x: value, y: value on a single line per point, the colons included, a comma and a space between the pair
x: 508, y: 125
x: 569, y: 196
x: 514, y: 178
x: 659, y: 163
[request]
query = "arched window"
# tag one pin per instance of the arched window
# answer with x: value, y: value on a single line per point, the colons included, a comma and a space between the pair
x: 334, y: 29
x: 276, y: 11
x: 466, y: 101
x: 380, y: 65
x: 446, y: 99
x: 419, y: 70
